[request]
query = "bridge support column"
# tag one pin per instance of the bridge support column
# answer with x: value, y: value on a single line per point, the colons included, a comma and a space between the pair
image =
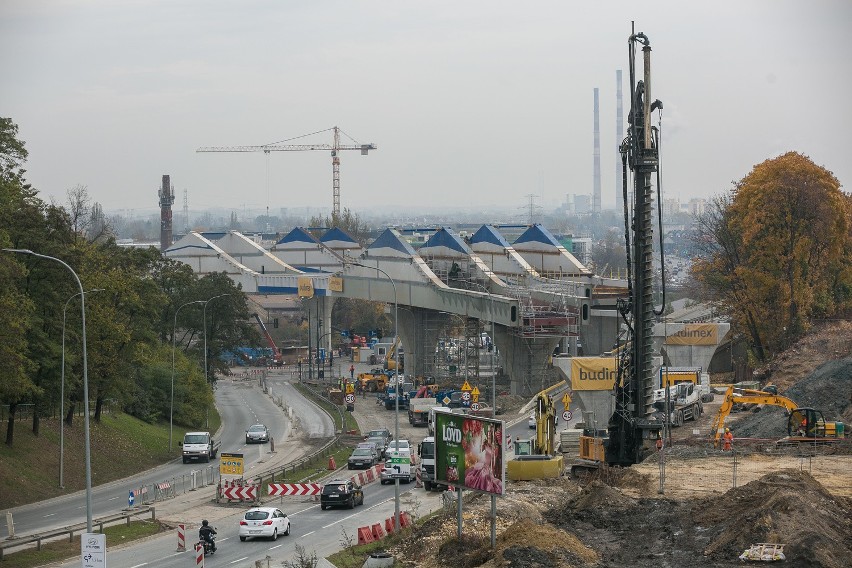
x: 525, y: 360
x: 419, y: 329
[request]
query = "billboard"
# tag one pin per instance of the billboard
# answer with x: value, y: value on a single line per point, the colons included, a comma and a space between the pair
x: 593, y: 373
x: 469, y: 452
x: 695, y: 334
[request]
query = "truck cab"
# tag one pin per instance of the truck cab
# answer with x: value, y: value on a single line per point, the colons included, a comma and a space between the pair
x: 426, y: 455
x: 199, y: 446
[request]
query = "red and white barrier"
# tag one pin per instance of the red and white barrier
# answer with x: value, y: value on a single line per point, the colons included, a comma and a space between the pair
x: 285, y: 489
x: 241, y: 493
x: 199, y: 556
x: 181, y: 538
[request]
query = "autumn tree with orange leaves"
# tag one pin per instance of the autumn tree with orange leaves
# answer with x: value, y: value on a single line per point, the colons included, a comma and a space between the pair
x: 776, y: 251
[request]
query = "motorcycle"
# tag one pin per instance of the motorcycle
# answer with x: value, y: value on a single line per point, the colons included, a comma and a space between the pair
x: 208, y: 545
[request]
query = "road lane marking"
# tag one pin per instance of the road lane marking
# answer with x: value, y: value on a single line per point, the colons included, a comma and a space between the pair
x: 308, y: 534
x: 277, y: 546
x: 138, y: 565
x: 112, y: 498
x: 240, y: 559
x: 50, y: 515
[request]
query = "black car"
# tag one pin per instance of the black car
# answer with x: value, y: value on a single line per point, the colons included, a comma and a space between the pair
x: 341, y: 493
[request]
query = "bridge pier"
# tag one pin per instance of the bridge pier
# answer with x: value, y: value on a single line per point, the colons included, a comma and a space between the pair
x: 419, y: 329
x: 525, y: 359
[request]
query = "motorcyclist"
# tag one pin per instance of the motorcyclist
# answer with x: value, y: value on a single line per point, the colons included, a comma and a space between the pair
x: 205, y: 533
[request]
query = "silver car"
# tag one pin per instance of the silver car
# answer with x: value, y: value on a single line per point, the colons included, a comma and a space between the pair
x: 388, y: 472
x: 257, y: 433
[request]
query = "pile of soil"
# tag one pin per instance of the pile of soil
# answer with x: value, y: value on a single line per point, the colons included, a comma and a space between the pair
x: 787, y: 507
x: 827, y: 389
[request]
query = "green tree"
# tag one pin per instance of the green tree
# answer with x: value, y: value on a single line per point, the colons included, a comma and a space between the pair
x: 776, y: 251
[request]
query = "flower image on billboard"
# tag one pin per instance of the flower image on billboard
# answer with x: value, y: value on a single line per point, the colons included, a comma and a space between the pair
x: 469, y: 452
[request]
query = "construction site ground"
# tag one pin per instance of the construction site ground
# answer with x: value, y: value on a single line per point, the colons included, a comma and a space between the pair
x: 714, y: 505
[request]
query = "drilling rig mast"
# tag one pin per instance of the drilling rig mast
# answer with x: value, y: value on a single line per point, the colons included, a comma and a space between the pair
x: 629, y: 426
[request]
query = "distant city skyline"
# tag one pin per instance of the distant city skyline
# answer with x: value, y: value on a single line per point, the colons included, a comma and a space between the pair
x: 474, y: 104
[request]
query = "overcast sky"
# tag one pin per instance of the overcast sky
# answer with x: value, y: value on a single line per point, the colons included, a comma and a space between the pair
x: 470, y: 103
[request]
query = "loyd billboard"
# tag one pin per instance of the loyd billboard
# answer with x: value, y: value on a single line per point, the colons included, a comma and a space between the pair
x: 469, y: 452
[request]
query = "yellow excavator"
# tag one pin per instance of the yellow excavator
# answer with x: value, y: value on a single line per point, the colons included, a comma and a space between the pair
x: 804, y: 425
x: 542, y: 461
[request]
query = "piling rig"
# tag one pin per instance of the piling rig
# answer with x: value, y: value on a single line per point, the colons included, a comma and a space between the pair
x: 629, y: 425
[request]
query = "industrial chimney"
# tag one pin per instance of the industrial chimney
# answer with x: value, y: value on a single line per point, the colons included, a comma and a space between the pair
x: 596, y: 192
x: 167, y: 199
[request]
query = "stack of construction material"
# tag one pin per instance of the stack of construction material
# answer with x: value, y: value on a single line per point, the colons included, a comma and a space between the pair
x: 569, y: 441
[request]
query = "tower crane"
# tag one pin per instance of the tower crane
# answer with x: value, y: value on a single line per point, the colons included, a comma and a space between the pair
x: 335, y: 148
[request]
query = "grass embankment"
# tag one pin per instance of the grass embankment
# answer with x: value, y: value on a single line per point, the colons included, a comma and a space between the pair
x: 64, y: 549
x: 120, y: 446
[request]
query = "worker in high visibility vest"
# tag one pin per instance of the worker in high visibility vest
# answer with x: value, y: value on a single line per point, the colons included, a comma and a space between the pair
x: 728, y: 440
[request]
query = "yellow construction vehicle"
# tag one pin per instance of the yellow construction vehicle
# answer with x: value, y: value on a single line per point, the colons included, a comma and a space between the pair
x: 393, y: 354
x: 542, y: 461
x: 374, y: 381
x: 804, y: 425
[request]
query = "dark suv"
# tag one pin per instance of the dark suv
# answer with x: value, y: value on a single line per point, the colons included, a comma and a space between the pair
x: 341, y: 493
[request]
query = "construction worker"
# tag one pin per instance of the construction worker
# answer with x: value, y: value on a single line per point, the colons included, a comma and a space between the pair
x: 728, y: 440
x: 352, y: 371
x: 803, y: 427
x: 659, y: 442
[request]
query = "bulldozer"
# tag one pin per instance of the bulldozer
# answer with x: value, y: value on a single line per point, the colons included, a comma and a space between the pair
x: 374, y: 381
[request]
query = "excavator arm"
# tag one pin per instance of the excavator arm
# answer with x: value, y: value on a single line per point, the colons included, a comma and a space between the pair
x: 746, y: 396
x: 276, y: 353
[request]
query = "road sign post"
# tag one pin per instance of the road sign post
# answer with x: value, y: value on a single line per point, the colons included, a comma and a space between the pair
x: 93, y: 550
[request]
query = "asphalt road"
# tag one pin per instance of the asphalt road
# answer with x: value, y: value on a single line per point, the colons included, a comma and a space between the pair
x: 240, y: 405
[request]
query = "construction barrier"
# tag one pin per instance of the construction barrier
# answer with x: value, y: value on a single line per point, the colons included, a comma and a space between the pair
x: 286, y: 489
x: 181, y: 538
x: 419, y: 478
x: 199, y: 556
x: 404, y: 519
x: 365, y: 535
x: 378, y: 532
x: 331, y: 465
x: 389, y: 524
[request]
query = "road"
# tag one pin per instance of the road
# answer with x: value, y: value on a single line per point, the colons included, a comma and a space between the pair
x: 240, y: 404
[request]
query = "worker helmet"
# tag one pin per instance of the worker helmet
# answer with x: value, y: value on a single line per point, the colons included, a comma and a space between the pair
x: 204, y: 523
x: 727, y: 429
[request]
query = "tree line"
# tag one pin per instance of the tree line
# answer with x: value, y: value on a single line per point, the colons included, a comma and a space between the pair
x: 131, y: 299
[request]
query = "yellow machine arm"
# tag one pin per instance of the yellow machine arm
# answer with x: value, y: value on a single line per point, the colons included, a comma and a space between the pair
x: 749, y: 397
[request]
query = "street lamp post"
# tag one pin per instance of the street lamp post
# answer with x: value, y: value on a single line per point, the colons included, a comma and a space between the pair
x: 493, y: 408
x: 85, y: 382
x: 62, y: 395
x: 398, y: 386
x: 172, y: 400
x: 204, y: 323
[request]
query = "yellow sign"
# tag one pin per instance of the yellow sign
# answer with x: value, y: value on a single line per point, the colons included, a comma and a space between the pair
x: 335, y: 283
x: 230, y: 464
x: 350, y: 388
x: 593, y: 373
x: 466, y: 387
x: 695, y: 334
x: 566, y: 400
x: 306, y: 287
x: 475, y: 394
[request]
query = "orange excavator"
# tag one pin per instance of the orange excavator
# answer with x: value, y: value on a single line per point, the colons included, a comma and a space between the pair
x: 277, y: 357
x: 804, y: 425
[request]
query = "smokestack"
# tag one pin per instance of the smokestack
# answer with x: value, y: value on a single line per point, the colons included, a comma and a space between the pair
x: 167, y: 199
x: 619, y: 136
x: 596, y: 192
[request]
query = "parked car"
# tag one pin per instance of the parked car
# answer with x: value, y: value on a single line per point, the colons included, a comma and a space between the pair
x: 388, y: 471
x: 531, y: 421
x: 257, y: 433
x: 363, y: 458
x: 341, y: 493
x: 266, y: 522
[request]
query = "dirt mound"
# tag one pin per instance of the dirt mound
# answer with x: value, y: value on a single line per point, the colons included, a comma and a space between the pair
x: 828, y: 389
x: 787, y: 507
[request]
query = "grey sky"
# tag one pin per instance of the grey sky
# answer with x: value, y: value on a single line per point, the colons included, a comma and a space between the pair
x: 471, y: 103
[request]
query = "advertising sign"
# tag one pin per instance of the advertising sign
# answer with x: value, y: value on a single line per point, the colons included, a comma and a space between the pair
x: 695, y: 334
x: 306, y: 287
x: 593, y: 373
x: 231, y: 464
x: 469, y: 452
x: 335, y: 283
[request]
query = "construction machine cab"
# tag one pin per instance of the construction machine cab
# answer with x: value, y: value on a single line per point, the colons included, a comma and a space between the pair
x: 806, y: 422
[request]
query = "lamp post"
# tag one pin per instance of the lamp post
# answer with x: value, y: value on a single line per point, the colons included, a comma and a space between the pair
x: 204, y: 323
x: 396, y: 413
x: 85, y: 382
x: 493, y: 408
x: 172, y: 400
x: 62, y: 395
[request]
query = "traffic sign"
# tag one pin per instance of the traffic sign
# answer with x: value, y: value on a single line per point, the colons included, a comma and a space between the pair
x: 475, y: 406
x: 446, y: 400
x: 475, y: 394
x: 93, y: 550
x: 509, y: 443
x: 566, y: 416
x: 466, y: 386
x: 350, y: 398
x: 350, y: 388
x: 130, y: 499
x: 566, y: 400
x: 465, y: 396
x: 231, y: 464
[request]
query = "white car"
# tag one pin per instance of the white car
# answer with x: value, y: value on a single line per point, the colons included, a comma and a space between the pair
x: 266, y: 522
x: 531, y: 421
x: 398, y: 446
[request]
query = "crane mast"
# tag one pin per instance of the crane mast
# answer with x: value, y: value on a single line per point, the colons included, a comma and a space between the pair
x: 335, y: 148
x: 629, y: 426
